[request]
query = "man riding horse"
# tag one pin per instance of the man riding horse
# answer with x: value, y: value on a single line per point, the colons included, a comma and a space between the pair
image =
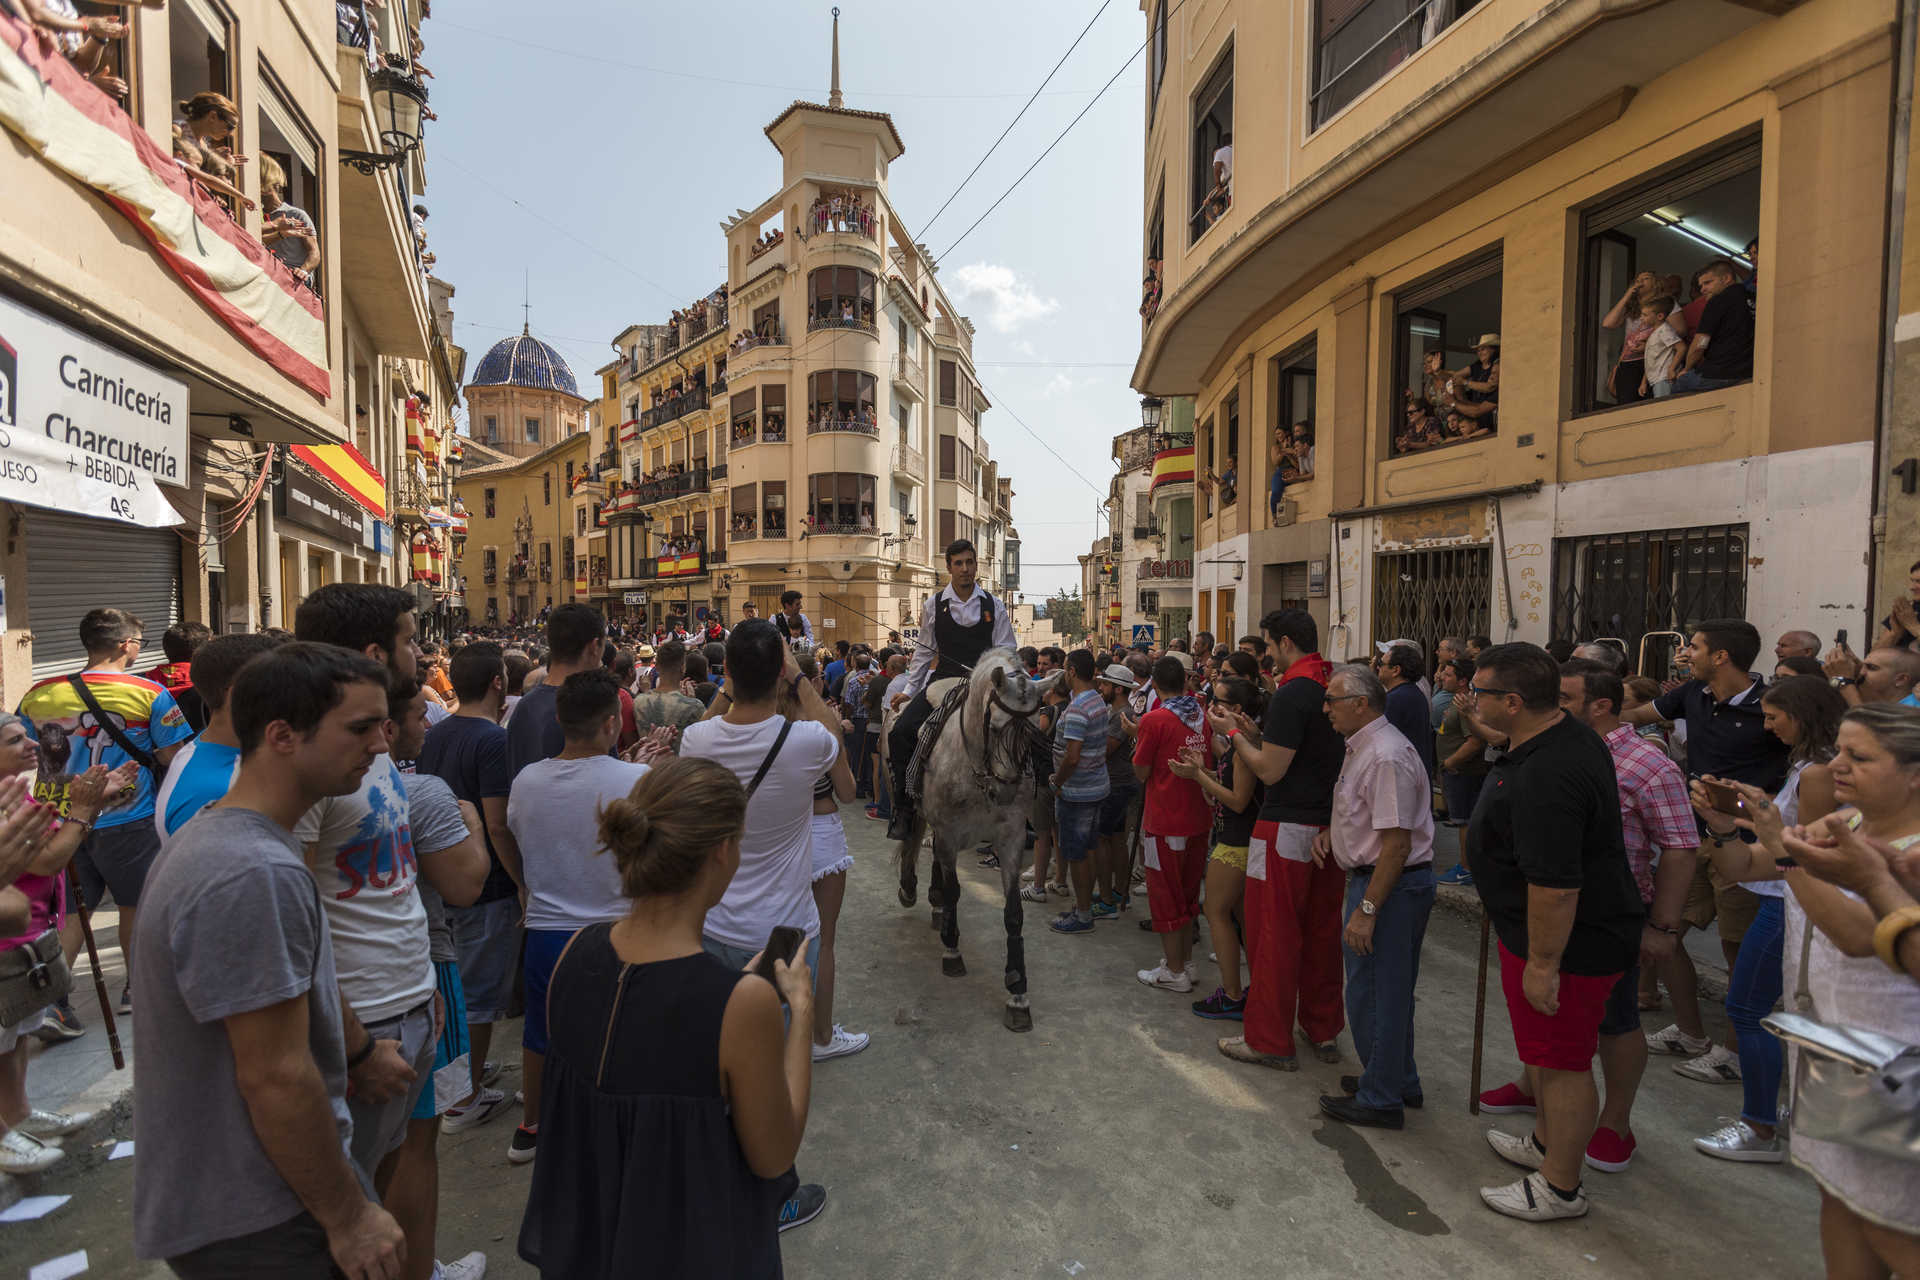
x: 958, y: 625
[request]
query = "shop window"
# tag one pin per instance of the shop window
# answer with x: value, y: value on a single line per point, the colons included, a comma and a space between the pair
x: 1666, y: 229
x: 1444, y: 394
x: 1625, y: 586
x: 1212, y: 149
x: 842, y: 503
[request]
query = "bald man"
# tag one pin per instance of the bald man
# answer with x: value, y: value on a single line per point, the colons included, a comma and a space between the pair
x: 1796, y: 644
x: 1884, y: 675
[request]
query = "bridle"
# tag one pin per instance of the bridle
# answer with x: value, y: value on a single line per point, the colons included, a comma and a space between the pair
x: 988, y: 770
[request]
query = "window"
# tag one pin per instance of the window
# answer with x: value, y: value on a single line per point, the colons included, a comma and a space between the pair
x: 741, y: 409
x: 947, y: 526
x: 1292, y: 388
x: 949, y: 382
x: 949, y: 457
x: 1443, y: 395
x: 580, y: 522
x: 719, y: 530
x: 569, y: 475
x: 842, y: 298
x: 1669, y: 227
x: 546, y: 488
x: 493, y: 429
x: 766, y: 322
x: 905, y: 415
x: 1156, y: 57
x: 773, y: 412
x: 1212, y: 149
x: 745, y: 520
x: 489, y: 562
x: 1438, y: 591
x: 295, y: 148
x: 773, y: 507
x: 842, y: 400
x: 1624, y: 585
x: 199, y: 40
x: 1229, y: 486
x: 1153, y: 282
x: 1357, y: 43
x: 489, y: 504
x: 533, y: 431
x: 840, y: 503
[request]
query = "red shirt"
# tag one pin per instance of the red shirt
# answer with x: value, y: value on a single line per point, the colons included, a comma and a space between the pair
x: 1175, y: 806
x: 172, y: 676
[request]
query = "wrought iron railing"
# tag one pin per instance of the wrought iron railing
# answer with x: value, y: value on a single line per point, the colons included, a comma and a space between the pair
x: 864, y: 426
x: 816, y: 321
x: 676, y: 407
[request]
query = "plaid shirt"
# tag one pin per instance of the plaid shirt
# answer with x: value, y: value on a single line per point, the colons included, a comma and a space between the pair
x: 1654, y: 811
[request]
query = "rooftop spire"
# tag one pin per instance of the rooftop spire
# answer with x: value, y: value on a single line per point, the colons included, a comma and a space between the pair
x: 833, y: 96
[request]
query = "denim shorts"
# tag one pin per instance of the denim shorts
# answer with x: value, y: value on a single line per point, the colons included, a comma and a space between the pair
x: 1113, y: 810
x: 486, y: 937
x: 1075, y: 821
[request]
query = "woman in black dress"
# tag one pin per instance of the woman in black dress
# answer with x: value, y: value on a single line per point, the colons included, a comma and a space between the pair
x: 674, y: 1100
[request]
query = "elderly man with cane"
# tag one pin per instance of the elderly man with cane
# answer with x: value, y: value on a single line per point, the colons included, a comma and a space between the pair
x: 1382, y: 837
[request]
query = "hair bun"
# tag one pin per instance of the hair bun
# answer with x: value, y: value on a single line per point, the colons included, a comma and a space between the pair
x: 625, y: 824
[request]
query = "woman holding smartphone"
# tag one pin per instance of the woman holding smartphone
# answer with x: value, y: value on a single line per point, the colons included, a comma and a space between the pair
x: 1804, y: 712
x: 674, y: 1101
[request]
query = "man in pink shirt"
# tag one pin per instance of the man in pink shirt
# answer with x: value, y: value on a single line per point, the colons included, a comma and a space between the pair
x: 1382, y: 837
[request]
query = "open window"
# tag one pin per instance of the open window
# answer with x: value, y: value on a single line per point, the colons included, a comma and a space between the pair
x: 1667, y: 228
x: 1358, y: 43
x: 1294, y: 386
x: 1156, y: 57
x: 773, y: 508
x: 773, y: 413
x: 1212, y: 148
x: 291, y: 230
x: 843, y: 298
x: 744, y: 522
x: 1152, y: 283
x: 842, y: 503
x: 842, y: 400
x: 200, y: 37
x: 1446, y: 371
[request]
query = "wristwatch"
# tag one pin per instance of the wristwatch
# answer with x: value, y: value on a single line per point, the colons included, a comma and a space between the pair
x: 1841, y: 682
x: 1367, y: 908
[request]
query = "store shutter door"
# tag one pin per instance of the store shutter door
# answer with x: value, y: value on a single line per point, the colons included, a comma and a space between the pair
x: 75, y: 565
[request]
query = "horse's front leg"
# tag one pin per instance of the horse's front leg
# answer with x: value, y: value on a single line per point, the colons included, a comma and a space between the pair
x: 1018, y: 1016
x: 949, y: 882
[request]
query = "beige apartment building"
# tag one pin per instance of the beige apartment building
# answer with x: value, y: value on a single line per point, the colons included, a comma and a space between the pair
x: 152, y: 348
x: 1390, y: 181
x: 814, y: 423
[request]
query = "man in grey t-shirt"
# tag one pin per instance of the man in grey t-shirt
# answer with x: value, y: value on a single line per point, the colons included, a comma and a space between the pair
x: 240, y: 1088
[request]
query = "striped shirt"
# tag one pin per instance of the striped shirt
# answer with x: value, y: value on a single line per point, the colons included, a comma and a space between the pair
x: 1083, y: 721
x: 1654, y: 811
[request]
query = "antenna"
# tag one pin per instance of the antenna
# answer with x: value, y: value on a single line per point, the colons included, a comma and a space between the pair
x: 833, y: 96
x: 526, y: 305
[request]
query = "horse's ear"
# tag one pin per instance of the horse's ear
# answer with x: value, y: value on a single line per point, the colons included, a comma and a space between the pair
x: 999, y: 677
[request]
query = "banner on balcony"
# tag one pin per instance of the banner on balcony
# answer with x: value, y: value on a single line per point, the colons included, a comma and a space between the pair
x: 357, y: 478
x: 580, y: 586
x: 82, y: 132
x: 1170, y: 466
x: 677, y: 566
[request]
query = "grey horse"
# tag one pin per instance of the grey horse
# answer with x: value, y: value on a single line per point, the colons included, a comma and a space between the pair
x: 976, y: 789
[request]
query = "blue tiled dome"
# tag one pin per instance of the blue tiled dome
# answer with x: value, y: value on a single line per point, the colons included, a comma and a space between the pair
x: 524, y: 361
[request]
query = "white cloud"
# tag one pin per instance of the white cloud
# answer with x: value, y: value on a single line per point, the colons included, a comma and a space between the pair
x: 1058, y: 385
x: 1011, y: 302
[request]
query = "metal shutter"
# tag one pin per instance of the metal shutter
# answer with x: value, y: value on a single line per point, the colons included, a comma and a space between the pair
x: 75, y: 565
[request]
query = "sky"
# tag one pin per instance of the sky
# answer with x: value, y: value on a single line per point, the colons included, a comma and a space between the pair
x: 587, y: 153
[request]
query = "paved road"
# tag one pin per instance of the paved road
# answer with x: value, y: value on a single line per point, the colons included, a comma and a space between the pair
x: 1115, y: 1141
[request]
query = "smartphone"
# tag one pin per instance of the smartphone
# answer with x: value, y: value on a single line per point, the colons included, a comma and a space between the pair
x: 783, y: 944
x: 1840, y: 638
x: 1725, y: 799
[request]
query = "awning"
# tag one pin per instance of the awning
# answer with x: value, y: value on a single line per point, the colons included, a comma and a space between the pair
x: 357, y: 478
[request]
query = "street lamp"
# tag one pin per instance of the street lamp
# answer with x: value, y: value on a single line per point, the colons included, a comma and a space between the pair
x: 397, y: 101
x: 1151, y: 408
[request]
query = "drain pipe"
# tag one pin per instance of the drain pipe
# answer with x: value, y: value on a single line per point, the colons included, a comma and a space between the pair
x: 1890, y: 300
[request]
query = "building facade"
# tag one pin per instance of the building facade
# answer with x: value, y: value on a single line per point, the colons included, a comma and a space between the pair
x: 233, y: 441
x: 1390, y: 192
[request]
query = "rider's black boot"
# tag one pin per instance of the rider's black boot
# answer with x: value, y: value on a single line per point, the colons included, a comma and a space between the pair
x: 900, y: 825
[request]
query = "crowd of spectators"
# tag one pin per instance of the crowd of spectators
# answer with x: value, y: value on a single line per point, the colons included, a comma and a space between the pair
x: 842, y: 211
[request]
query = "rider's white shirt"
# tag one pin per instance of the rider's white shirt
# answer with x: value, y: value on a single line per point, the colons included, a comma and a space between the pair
x: 964, y: 612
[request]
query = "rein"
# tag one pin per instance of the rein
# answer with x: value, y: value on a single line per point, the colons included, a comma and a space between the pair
x: 1003, y: 738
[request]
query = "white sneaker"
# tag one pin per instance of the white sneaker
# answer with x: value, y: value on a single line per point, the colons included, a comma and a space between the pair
x: 479, y: 1111
x: 471, y: 1267
x: 843, y: 1043
x: 1718, y: 1065
x: 1738, y: 1141
x: 54, y: 1124
x: 1164, y: 978
x: 1532, y: 1200
x: 1671, y: 1040
x: 1516, y: 1148
x: 1193, y: 971
x: 24, y: 1153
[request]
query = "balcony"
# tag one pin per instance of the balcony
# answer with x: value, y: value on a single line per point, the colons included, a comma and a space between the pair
x: 629, y: 433
x: 763, y: 248
x: 623, y: 506
x: 1173, y: 466
x: 816, y: 322
x: 489, y: 576
x: 381, y: 274
x: 912, y: 550
x: 677, y: 407
x: 909, y: 465
x: 746, y: 431
x: 811, y: 528
x: 667, y: 488
x: 909, y: 378
x: 679, y: 564
x: 866, y: 426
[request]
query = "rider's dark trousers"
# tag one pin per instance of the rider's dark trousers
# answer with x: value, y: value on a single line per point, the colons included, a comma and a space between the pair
x: 900, y: 744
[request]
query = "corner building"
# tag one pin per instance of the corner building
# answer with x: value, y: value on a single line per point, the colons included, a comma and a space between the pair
x: 1402, y: 184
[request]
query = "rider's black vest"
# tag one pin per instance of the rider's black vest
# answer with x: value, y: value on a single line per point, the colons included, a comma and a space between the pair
x: 960, y: 647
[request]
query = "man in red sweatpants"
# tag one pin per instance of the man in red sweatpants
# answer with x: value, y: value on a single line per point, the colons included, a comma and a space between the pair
x: 1174, y: 822
x: 1292, y: 906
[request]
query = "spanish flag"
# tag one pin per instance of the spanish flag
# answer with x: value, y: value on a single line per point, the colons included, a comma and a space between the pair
x: 1171, y: 466
x: 357, y: 478
x: 677, y: 566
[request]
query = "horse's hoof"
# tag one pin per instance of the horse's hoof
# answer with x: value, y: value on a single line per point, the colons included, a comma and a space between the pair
x: 909, y: 895
x: 1019, y: 1019
x: 953, y: 966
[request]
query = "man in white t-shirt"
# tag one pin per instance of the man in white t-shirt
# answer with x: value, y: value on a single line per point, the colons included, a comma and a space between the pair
x: 774, y: 884
x: 554, y: 814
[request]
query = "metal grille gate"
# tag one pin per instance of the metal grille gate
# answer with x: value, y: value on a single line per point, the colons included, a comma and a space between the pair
x: 1627, y: 584
x: 1433, y: 592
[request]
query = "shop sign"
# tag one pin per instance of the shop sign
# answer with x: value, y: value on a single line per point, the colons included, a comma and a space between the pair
x: 633, y: 597
x: 1166, y: 568
x: 314, y: 504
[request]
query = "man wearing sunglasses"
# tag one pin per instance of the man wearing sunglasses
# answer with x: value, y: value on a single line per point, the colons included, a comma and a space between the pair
x: 1550, y: 865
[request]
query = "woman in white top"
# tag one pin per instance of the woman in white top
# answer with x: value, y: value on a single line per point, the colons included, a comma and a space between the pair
x: 1869, y: 1204
x: 1803, y: 712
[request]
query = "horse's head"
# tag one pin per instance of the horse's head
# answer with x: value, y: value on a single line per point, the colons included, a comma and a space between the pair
x: 999, y: 678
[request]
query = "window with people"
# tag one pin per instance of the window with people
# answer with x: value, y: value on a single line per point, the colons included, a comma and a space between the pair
x: 93, y: 37
x: 743, y: 522
x: 1224, y: 483
x: 1212, y: 164
x: 773, y: 508
x: 1669, y: 270
x: 841, y: 503
x: 289, y: 187
x: 1292, y: 387
x: 1447, y: 357
x: 843, y: 298
x: 1150, y: 285
x: 842, y: 400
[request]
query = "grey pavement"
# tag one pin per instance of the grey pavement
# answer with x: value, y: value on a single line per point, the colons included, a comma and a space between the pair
x: 1113, y: 1140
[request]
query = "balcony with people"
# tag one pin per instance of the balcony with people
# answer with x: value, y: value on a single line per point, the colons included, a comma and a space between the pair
x: 674, y: 403
x: 674, y: 480
x: 842, y: 400
x: 840, y: 505
x: 758, y: 511
x: 688, y: 325
x: 844, y: 213
x: 842, y: 298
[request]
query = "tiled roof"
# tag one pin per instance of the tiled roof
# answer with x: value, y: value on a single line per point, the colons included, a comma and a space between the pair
x: 900, y: 146
x: 524, y: 361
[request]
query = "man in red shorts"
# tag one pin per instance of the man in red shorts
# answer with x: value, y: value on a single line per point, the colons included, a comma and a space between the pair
x: 1551, y: 869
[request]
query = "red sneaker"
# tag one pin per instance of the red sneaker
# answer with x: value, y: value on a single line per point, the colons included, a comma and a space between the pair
x: 1610, y: 1152
x: 1507, y: 1100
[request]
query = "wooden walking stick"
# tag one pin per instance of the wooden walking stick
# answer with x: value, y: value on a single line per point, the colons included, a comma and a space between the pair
x: 99, y: 980
x: 1479, y: 1015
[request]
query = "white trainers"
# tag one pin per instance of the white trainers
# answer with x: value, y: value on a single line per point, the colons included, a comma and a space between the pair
x: 1164, y: 978
x: 1193, y: 971
x: 54, y: 1124
x: 1718, y: 1065
x: 1738, y: 1141
x: 479, y: 1111
x: 471, y: 1267
x: 1671, y: 1040
x: 1532, y: 1200
x: 843, y: 1043
x: 1516, y: 1148
x: 24, y: 1153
